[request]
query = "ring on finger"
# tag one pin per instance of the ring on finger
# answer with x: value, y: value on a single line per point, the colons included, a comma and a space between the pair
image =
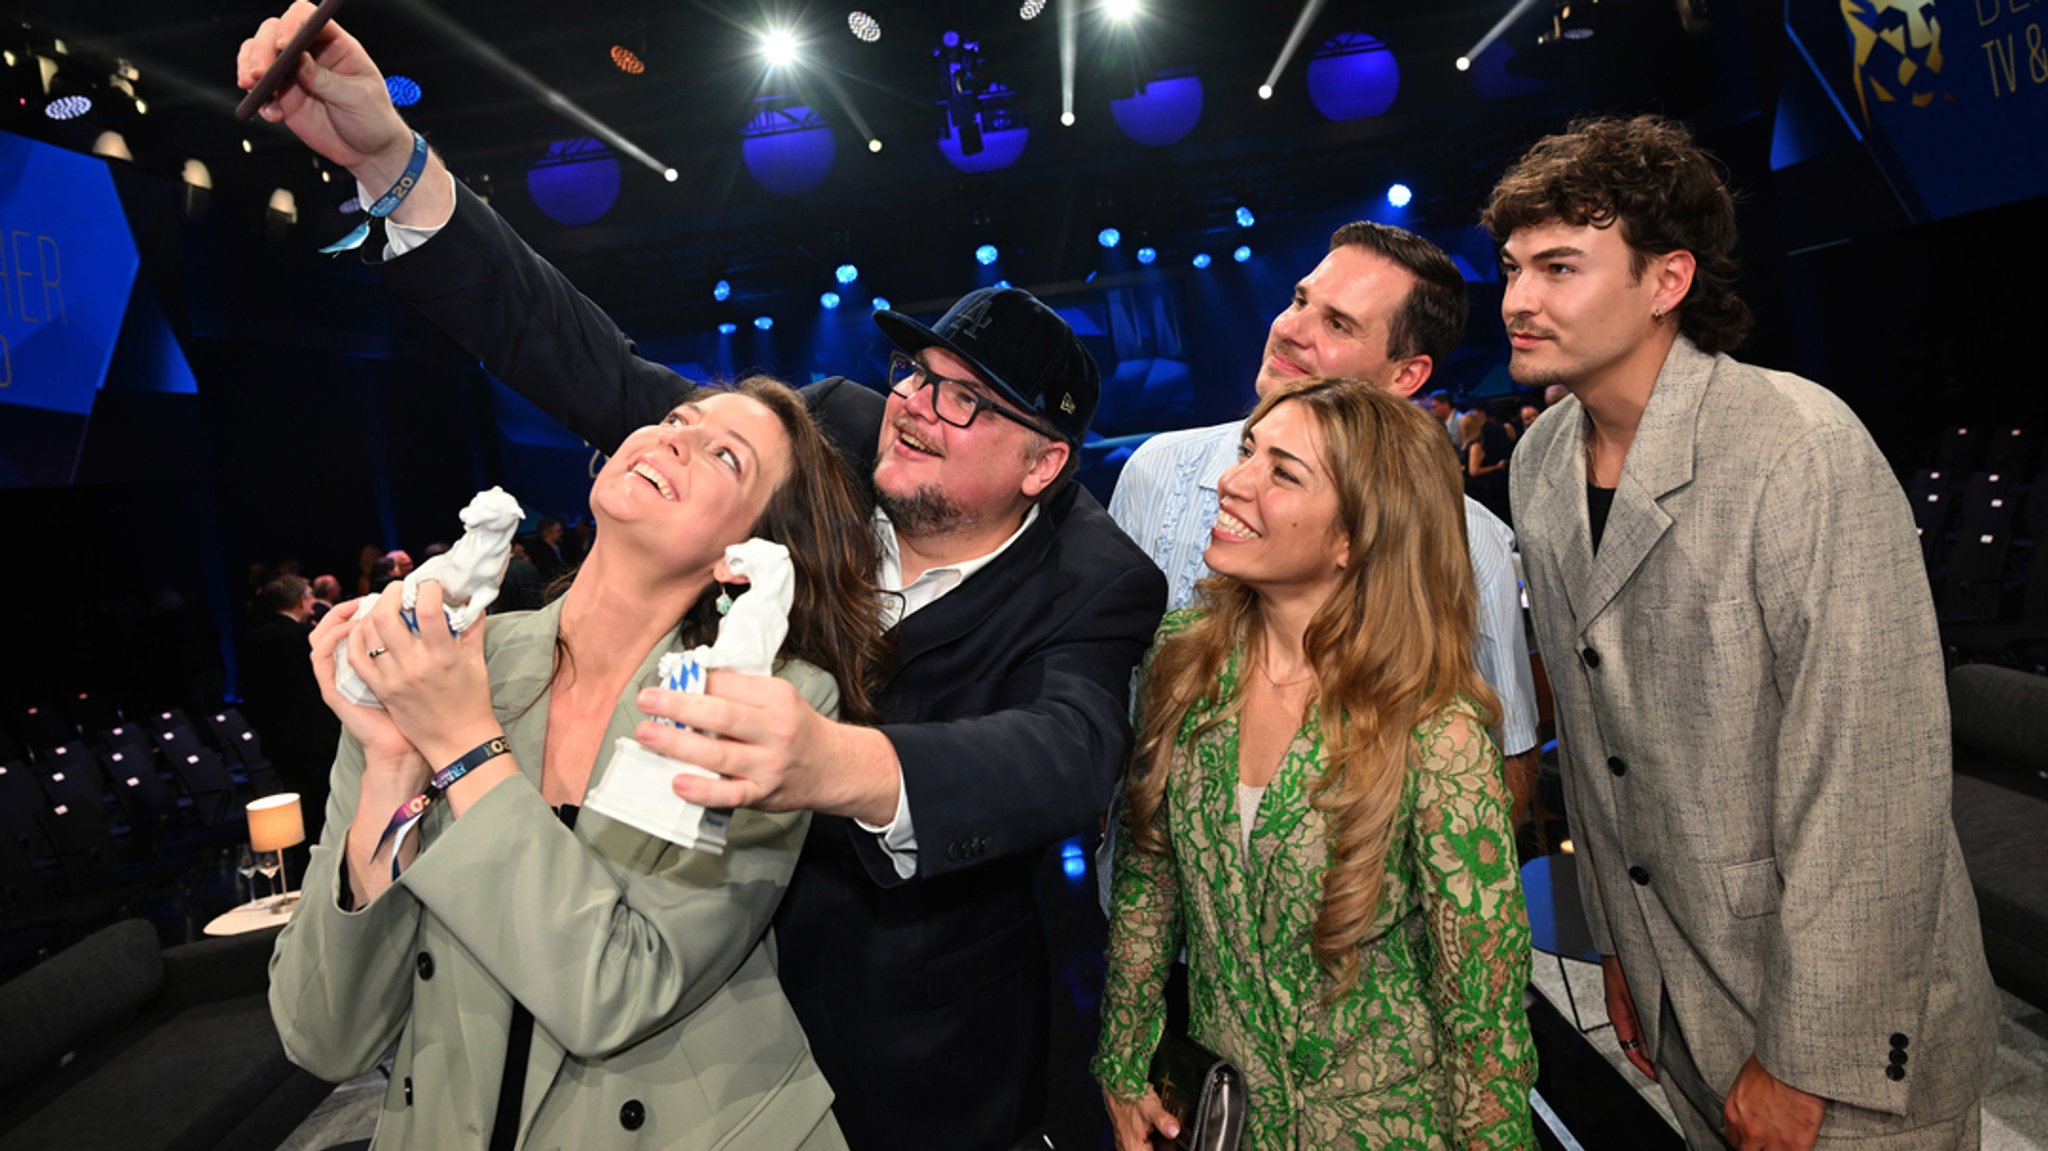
x: 1626, y: 1044
x: 374, y: 652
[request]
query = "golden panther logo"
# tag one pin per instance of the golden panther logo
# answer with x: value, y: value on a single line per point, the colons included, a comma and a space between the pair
x: 1898, y: 51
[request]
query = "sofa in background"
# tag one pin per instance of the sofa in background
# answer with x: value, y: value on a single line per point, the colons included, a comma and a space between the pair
x: 2001, y: 814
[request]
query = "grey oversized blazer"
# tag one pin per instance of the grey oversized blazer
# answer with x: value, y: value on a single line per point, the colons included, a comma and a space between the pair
x: 648, y: 968
x: 1755, y: 741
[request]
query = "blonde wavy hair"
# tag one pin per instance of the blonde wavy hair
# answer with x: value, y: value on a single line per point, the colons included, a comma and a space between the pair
x: 1389, y: 649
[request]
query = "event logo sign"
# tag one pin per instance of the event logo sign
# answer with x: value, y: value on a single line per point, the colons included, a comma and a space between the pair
x: 67, y: 262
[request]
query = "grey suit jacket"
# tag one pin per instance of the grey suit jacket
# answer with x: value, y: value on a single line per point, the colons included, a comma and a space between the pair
x: 659, y: 1021
x: 1755, y: 742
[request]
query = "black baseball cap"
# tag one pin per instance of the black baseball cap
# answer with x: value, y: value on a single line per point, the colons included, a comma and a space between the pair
x: 1020, y: 347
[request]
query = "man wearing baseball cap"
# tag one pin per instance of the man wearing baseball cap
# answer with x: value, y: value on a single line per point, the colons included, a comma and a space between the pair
x: 910, y: 939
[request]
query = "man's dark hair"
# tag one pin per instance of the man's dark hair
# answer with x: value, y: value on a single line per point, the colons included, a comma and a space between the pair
x: 281, y: 594
x: 1431, y: 321
x: 1665, y: 191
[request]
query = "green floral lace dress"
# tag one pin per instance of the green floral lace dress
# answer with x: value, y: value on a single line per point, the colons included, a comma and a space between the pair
x: 1430, y: 1048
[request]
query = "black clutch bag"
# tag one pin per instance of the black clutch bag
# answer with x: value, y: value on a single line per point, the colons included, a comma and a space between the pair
x: 1202, y: 1090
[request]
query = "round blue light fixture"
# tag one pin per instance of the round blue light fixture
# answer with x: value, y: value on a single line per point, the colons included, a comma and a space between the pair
x: 763, y: 323
x: 846, y: 273
x: 1109, y: 237
x: 1353, y: 77
x: 829, y: 301
x: 1243, y: 253
x: 1201, y: 260
x: 728, y: 328
x: 986, y: 255
x: 1147, y: 255
x: 1245, y: 219
x: 722, y: 291
x: 881, y: 303
x: 404, y: 90
x: 1399, y: 194
x: 576, y: 182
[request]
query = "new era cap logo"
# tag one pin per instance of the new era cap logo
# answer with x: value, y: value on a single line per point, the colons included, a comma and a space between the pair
x: 1067, y: 403
x: 972, y: 319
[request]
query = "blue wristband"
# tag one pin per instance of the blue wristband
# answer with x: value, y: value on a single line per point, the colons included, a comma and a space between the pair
x: 388, y: 202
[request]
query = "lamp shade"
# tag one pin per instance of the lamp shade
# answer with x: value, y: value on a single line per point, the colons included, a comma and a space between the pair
x: 276, y: 823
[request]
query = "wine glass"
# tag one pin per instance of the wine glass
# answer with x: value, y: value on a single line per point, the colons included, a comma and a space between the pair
x: 270, y: 863
x: 245, y: 864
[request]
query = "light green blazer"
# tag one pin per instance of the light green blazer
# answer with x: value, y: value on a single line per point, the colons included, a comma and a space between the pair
x: 649, y: 968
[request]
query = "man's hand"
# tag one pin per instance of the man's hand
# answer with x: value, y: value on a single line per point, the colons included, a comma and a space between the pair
x: 1764, y: 1113
x: 774, y: 752
x: 1621, y: 1011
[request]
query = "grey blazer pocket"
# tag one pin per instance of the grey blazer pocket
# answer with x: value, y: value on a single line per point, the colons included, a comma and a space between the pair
x: 1752, y: 887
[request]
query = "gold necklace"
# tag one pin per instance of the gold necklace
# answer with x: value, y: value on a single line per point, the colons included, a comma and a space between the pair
x: 1277, y: 684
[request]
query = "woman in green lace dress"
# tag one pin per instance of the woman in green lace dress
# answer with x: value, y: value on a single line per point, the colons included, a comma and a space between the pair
x: 1316, y: 812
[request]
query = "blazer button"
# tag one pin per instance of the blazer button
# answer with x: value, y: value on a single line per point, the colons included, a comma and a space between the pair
x: 1589, y: 657
x: 1615, y: 765
x: 425, y: 963
x: 632, y: 1115
x: 1641, y: 876
x: 953, y: 850
x: 1898, y: 1039
x: 1898, y: 1057
x: 1895, y: 1073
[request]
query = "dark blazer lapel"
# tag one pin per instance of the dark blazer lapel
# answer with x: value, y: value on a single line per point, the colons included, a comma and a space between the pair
x: 1660, y: 461
x: 965, y: 607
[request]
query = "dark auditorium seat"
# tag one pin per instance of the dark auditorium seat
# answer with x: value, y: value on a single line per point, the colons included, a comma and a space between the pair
x: 2001, y: 816
x: 116, y: 1044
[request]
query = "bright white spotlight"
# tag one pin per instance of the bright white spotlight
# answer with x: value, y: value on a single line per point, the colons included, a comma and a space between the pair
x: 874, y: 145
x: 1030, y: 9
x: 670, y: 174
x: 1399, y: 194
x: 1265, y: 91
x: 1067, y: 118
x: 779, y: 46
x: 1464, y: 63
x: 1123, y: 11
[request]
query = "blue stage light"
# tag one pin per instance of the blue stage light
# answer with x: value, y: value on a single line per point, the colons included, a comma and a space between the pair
x: 986, y: 255
x: 1243, y: 253
x: 950, y: 39
x: 727, y: 329
x: 404, y: 90
x: 1399, y: 194
x: 1109, y: 237
x: 1002, y: 283
x: 721, y: 291
x: 881, y: 303
x: 1245, y: 219
x: 1201, y: 260
x: 1147, y: 255
x: 763, y: 323
x: 847, y: 273
x: 1074, y: 866
x: 829, y: 301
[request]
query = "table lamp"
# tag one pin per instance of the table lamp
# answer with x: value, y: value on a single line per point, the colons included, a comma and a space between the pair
x: 276, y: 823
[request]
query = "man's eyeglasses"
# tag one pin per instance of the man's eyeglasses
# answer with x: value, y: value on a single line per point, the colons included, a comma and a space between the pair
x: 956, y: 401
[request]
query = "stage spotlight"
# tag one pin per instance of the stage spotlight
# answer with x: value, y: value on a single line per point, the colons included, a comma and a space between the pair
x: 779, y: 46
x: 1123, y: 11
x: 763, y: 323
x: 114, y: 146
x: 986, y: 255
x: 247, y: 147
x: 349, y: 207
x: 846, y: 273
x: 326, y: 177
x: 72, y: 107
x: 1399, y: 194
x: 1244, y: 216
x: 728, y: 328
x: 1067, y: 118
x: 1464, y: 63
x: 404, y: 90
x: 874, y: 145
x: 721, y: 291
x: 1201, y: 260
x: 1109, y: 237
x: 865, y: 28
x: 1265, y: 91
x: 1002, y: 283
x: 1243, y: 253
x: 829, y: 301
x: 284, y: 205
x: 670, y: 174
x: 879, y: 303
x: 624, y: 59
x: 950, y: 38
x: 141, y: 106
x: 1147, y: 255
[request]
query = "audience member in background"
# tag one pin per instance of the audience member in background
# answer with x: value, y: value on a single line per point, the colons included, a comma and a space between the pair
x: 1529, y: 413
x: 549, y: 974
x: 1754, y: 734
x: 401, y: 562
x: 545, y: 548
x: 366, y: 567
x: 432, y: 550
x: 326, y: 593
x: 382, y: 571
x: 522, y: 589
x: 1554, y: 395
x: 1486, y: 462
x: 577, y: 540
x: 280, y: 697
x: 1385, y: 306
x: 1315, y: 811
x: 1446, y: 413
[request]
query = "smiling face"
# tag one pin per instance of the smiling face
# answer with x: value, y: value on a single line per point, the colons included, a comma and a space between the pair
x: 935, y: 479
x: 1336, y: 325
x: 1277, y: 529
x: 685, y: 489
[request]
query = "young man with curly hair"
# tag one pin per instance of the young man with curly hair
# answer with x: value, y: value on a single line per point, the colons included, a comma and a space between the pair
x: 1749, y: 686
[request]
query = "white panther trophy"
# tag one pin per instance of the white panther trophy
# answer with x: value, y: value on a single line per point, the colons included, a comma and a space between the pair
x: 469, y: 574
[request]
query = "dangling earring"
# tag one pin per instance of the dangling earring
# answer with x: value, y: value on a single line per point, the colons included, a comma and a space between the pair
x: 724, y: 603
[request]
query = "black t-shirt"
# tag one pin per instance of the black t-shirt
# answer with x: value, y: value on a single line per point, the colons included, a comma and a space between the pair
x: 1599, y: 501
